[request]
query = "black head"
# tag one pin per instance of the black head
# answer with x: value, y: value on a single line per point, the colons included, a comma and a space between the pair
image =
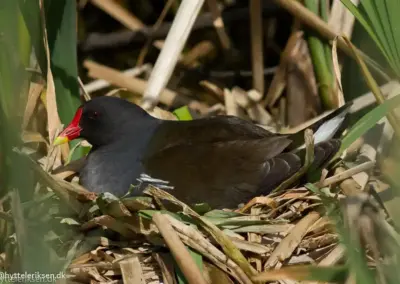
x: 104, y: 120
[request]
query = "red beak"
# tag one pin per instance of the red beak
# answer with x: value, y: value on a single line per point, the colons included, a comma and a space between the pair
x: 72, y: 131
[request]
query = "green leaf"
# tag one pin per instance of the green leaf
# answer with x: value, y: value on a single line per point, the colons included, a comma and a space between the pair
x: 198, y: 259
x: 368, y: 121
x: 374, y: 17
x: 148, y: 214
x: 216, y: 213
x: 222, y: 222
x: 25, y: 41
x: 384, y: 17
x: 12, y: 69
x: 313, y: 188
x: 78, y: 148
x: 61, y: 28
x: 380, y: 20
x: 365, y: 23
x: 394, y: 22
x: 260, y: 229
x: 62, y: 37
x: 183, y: 113
x: 13, y: 91
x: 31, y: 13
x: 201, y: 208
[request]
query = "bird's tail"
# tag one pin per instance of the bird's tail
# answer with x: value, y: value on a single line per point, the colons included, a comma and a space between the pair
x: 329, y: 127
x: 285, y: 165
x: 326, y: 145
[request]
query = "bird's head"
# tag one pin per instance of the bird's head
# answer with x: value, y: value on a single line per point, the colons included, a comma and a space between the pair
x: 103, y: 120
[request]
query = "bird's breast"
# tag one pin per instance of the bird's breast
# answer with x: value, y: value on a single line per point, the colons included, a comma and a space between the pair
x: 110, y: 172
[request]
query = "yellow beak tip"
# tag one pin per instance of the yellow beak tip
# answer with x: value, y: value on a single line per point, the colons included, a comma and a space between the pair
x: 60, y: 140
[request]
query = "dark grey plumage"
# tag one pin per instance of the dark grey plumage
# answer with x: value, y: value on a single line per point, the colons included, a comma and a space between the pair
x: 223, y: 161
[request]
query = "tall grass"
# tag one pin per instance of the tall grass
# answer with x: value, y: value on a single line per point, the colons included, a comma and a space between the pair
x: 22, y: 61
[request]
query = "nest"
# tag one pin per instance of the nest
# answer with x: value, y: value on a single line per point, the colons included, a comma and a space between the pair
x: 137, y: 240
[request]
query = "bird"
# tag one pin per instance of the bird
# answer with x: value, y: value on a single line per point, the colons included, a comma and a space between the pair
x: 221, y: 160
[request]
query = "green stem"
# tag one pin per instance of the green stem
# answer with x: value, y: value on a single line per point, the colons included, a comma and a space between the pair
x: 323, y: 73
x: 324, y: 8
x: 373, y: 85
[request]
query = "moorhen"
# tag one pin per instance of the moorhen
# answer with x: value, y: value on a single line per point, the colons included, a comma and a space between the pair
x: 223, y: 160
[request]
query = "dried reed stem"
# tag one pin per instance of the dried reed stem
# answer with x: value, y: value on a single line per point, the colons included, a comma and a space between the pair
x: 178, y: 250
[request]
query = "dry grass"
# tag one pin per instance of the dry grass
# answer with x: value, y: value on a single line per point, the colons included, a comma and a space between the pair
x: 280, y: 230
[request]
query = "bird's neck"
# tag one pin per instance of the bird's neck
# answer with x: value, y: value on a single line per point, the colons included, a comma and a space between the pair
x: 131, y: 139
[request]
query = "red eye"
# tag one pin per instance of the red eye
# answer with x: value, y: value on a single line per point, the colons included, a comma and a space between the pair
x: 94, y: 115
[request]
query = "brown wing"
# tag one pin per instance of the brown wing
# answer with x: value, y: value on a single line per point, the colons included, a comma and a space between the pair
x: 206, y: 130
x: 224, y: 161
x: 222, y: 174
